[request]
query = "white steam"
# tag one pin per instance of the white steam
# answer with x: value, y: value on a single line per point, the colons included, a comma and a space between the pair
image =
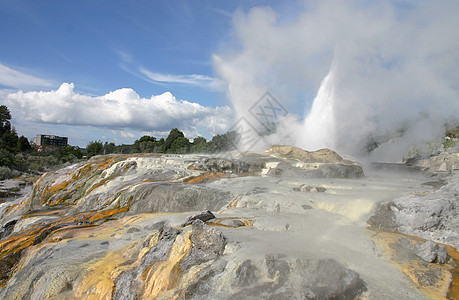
x: 393, y: 72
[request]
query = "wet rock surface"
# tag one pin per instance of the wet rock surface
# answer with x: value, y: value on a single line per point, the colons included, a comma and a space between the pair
x: 431, y: 215
x: 290, y: 224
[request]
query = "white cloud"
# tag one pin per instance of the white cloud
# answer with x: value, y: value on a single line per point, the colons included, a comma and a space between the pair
x: 16, y: 79
x: 389, y: 63
x: 119, y: 109
x: 129, y: 65
x: 193, y: 79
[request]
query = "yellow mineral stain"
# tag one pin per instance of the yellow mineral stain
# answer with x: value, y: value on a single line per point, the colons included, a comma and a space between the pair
x: 163, y: 276
x: 25, y: 239
x: 99, y: 281
x: 444, y: 271
x: 453, y: 291
x: 204, y: 177
x: 234, y: 203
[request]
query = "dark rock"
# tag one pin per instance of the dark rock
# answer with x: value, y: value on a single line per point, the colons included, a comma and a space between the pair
x: 7, y: 229
x: 310, y: 188
x: 207, y: 243
x: 7, y: 264
x: 306, y: 206
x: 431, y: 252
x: 203, y: 216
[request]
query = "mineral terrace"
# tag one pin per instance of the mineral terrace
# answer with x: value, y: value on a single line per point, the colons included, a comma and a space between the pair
x: 283, y: 224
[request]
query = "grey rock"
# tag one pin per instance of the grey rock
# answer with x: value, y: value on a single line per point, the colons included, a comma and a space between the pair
x: 436, y: 163
x: 306, y: 206
x: 222, y: 165
x: 298, y: 279
x: 431, y: 252
x: 320, y: 170
x: 246, y: 274
x: 310, y: 188
x: 174, y: 198
x: 127, y: 283
x: 207, y: 243
x: 330, y: 280
x: 235, y: 223
x: 427, y: 278
x: 203, y: 216
x: 384, y: 217
x: 432, y: 216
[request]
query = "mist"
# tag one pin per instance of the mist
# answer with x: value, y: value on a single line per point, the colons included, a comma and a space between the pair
x: 359, y: 72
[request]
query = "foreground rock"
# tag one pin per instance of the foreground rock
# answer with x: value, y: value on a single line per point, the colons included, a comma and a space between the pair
x: 116, y: 227
x: 431, y: 215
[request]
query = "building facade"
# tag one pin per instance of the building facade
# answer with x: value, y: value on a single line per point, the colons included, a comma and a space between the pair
x: 44, y: 140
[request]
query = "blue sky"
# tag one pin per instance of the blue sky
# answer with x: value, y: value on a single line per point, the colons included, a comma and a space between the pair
x: 151, y: 47
x: 116, y: 70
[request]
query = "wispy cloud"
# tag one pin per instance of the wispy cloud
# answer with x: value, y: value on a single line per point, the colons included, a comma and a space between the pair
x: 16, y: 79
x: 221, y: 12
x: 193, y: 79
x: 128, y: 64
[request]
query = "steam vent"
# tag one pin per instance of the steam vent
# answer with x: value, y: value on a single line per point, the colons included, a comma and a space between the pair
x: 282, y: 224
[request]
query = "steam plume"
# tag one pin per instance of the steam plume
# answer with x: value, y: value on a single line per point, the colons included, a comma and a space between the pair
x: 383, y: 69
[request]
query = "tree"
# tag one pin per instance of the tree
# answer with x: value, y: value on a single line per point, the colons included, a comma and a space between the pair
x: 180, y: 145
x: 5, y: 117
x: 223, y: 142
x: 199, y: 145
x: 23, y: 144
x: 173, y: 135
x: 146, y: 138
x: 94, y: 148
x: 109, y: 148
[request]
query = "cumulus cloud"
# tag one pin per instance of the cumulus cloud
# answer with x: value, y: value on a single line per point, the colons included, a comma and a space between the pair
x: 13, y: 78
x: 388, y: 63
x: 119, y: 109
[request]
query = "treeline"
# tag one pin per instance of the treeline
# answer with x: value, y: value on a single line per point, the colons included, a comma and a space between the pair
x: 18, y: 156
x: 176, y: 142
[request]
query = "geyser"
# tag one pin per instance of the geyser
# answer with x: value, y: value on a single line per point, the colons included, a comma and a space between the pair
x: 318, y: 130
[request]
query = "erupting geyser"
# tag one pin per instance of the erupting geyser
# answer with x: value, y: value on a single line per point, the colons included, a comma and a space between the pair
x: 318, y: 130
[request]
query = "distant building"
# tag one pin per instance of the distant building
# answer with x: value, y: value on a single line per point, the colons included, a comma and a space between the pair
x: 52, y: 141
